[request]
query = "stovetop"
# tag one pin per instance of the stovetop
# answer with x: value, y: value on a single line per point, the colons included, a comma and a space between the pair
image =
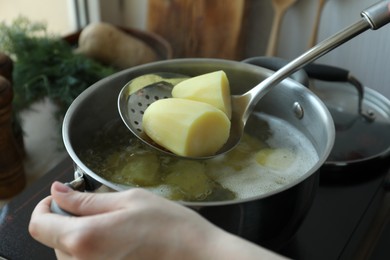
x: 348, y: 220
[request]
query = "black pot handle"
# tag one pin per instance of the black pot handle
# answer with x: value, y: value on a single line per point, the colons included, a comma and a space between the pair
x: 275, y: 63
x: 327, y: 72
x: 336, y: 74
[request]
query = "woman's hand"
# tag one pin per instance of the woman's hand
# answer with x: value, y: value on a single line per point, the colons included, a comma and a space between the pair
x: 134, y: 224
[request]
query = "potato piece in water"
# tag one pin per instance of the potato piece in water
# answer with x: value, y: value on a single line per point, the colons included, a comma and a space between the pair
x: 137, y: 169
x: 240, y: 156
x: 275, y: 158
x: 186, y: 127
x: 189, y: 180
x: 212, y: 88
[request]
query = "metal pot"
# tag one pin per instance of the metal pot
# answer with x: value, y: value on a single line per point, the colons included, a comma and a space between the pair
x: 270, y: 219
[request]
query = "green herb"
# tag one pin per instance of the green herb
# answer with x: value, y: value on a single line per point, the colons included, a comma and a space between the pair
x: 46, y: 66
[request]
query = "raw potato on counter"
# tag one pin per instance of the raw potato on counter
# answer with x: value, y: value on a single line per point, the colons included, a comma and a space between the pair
x: 196, y: 120
x: 110, y: 45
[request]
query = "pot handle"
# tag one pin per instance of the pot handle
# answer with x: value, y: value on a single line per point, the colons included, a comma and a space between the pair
x: 327, y: 72
x: 275, y: 63
x: 76, y: 184
x: 336, y: 74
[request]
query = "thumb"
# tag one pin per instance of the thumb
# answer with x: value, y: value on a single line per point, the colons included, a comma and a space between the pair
x: 83, y: 203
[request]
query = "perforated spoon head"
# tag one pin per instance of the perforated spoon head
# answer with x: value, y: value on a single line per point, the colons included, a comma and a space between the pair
x: 132, y: 105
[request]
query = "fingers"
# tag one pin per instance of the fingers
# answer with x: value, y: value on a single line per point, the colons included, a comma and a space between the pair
x: 43, y: 223
x: 48, y: 228
x: 61, y: 232
x: 62, y: 255
x: 75, y: 236
x: 83, y: 203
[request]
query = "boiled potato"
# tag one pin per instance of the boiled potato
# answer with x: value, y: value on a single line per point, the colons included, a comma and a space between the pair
x: 241, y: 155
x: 149, y: 79
x: 275, y: 158
x: 212, y: 88
x: 189, y: 179
x: 142, y: 81
x: 135, y: 169
x: 186, y: 127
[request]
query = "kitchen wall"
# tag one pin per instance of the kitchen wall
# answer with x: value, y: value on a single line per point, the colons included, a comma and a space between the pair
x: 56, y: 14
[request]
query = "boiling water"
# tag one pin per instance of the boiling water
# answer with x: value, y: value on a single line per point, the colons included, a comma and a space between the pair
x: 256, y: 179
x: 271, y: 155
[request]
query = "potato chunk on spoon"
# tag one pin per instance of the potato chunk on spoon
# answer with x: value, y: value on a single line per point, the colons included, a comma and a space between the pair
x: 186, y: 127
x: 242, y: 106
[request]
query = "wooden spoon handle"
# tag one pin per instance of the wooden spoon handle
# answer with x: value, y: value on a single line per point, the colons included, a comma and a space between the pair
x: 314, y: 34
x: 280, y: 9
x: 274, y: 36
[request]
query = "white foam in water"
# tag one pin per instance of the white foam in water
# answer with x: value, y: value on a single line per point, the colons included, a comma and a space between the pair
x: 161, y: 190
x: 255, y: 179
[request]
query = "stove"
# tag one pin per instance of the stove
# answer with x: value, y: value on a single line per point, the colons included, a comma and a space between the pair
x: 349, y: 219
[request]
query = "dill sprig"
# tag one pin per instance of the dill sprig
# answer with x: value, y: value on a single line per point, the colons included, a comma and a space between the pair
x: 46, y: 66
